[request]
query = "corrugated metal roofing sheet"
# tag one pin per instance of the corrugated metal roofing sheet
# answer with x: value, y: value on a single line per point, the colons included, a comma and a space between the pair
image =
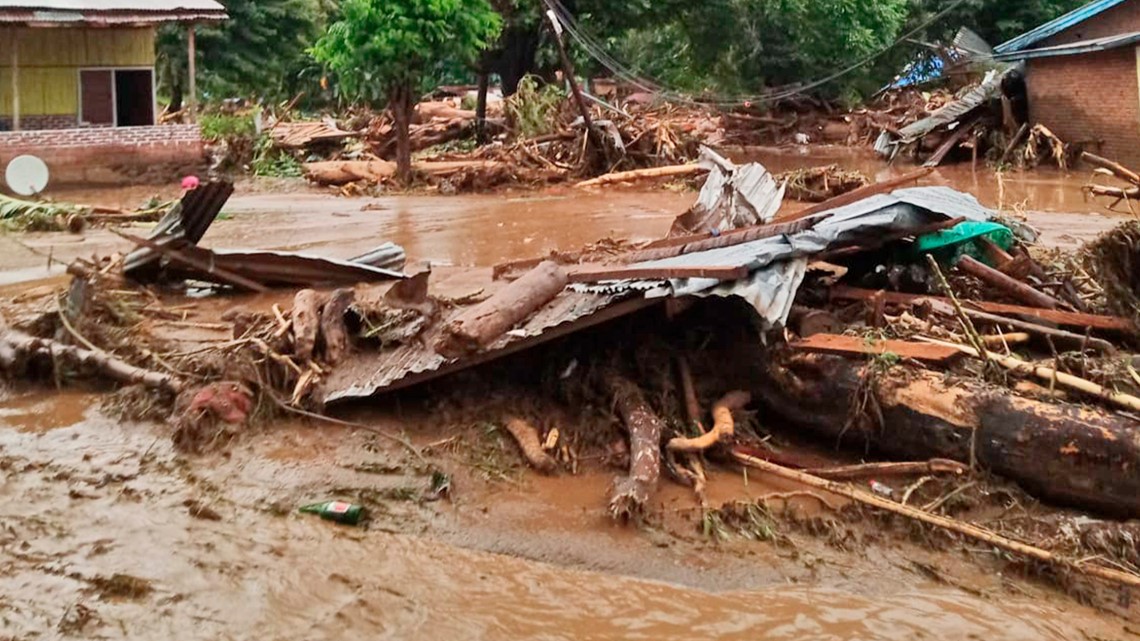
x: 989, y: 89
x: 1071, y: 19
x: 1076, y: 48
x: 113, y: 5
x: 108, y: 12
x: 364, y: 374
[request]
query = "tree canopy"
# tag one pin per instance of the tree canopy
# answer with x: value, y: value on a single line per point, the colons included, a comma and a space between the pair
x: 720, y: 47
x: 388, y: 50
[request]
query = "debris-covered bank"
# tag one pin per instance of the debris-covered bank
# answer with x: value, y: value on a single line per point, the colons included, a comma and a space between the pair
x: 673, y: 362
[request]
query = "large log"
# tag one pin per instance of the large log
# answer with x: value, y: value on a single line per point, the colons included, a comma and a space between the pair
x: 333, y: 328
x: 674, y: 171
x: 17, y: 349
x: 631, y: 493
x: 306, y: 323
x: 481, y: 325
x: 1068, y: 454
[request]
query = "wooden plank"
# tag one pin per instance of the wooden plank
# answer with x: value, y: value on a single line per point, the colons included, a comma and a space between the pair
x: 598, y: 273
x: 1068, y: 319
x: 855, y: 345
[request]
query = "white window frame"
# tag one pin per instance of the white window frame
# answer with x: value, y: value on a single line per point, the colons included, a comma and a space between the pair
x: 115, y: 93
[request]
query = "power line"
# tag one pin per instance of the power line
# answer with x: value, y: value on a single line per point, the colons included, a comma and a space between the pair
x: 597, y: 51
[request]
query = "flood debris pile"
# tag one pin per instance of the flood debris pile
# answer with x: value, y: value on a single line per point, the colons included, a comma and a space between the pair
x: 906, y: 326
x: 18, y: 214
x: 550, y: 145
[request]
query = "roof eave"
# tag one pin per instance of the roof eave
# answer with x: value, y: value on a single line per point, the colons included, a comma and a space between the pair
x: 1075, y: 49
x: 1053, y: 27
x: 39, y: 19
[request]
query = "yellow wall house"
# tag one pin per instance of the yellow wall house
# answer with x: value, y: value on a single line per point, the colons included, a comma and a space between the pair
x: 85, y: 63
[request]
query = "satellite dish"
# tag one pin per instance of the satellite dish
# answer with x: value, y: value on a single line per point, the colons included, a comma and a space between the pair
x: 27, y: 175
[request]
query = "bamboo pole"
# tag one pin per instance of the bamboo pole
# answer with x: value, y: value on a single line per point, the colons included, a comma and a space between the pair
x: 1013, y: 364
x: 959, y: 527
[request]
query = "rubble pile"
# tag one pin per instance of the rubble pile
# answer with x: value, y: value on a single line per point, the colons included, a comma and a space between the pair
x: 909, y: 326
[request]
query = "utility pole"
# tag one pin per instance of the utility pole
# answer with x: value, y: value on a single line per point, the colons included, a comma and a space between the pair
x: 568, y: 69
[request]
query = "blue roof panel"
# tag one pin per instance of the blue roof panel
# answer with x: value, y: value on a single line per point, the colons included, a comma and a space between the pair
x: 1049, y: 29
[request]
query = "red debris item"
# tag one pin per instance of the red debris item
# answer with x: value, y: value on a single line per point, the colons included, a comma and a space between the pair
x: 228, y: 402
x: 211, y: 416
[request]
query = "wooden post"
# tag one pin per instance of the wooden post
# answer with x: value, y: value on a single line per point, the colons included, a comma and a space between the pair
x: 192, y: 70
x: 15, y: 79
x: 481, y: 107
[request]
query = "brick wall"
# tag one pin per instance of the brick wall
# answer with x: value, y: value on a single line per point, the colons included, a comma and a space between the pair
x: 110, y: 155
x: 1092, y: 98
x: 1123, y: 18
x: 60, y: 121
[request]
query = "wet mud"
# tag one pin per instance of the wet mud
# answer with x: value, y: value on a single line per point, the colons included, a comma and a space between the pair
x: 104, y: 536
x: 107, y: 532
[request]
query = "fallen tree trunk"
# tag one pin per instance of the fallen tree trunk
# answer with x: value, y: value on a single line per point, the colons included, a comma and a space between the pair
x: 333, y: 329
x: 18, y: 349
x: 674, y: 171
x: 631, y: 493
x: 478, y: 327
x: 343, y: 172
x: 1065, y: 453
x: 306, y: 323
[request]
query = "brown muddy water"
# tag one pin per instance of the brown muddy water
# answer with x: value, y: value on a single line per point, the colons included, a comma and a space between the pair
x: 106, y: 532
x: 489, y: 229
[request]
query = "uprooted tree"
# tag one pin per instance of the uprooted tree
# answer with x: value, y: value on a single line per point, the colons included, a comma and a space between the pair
x: 387, y: 50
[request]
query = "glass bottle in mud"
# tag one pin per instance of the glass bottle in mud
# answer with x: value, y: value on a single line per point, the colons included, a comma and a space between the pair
x: 336, y: 511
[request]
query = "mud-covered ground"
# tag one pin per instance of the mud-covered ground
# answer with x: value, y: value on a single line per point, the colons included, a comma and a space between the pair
x: 107, y: 532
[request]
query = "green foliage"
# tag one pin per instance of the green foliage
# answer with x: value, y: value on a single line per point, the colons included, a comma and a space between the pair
x: 27, y: 215
x: 380, y: 45
x: 994, y: 20
x: 738, y: 47
x: 270, y: 161
x: 218, y: 127
x: 260, y: 52
x: 533, y: 110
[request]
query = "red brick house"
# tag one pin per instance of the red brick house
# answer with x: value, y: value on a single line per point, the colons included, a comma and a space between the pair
x: 1083, y: 77
x: 77, y: 87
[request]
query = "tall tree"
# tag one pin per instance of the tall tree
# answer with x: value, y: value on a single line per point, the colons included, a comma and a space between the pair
x: 390, y: 50
x: 257, y: 53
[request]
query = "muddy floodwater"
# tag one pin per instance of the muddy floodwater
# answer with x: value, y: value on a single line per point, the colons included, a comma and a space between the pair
x: 107, y: 533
